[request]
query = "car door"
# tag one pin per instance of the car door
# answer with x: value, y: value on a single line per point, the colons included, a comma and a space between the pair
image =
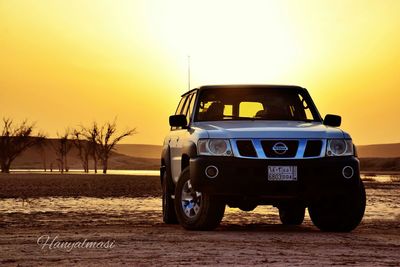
x: 174, y: 149
x: 179, y: 136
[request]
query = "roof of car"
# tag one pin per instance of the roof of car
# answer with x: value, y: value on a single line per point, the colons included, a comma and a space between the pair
x: 242, y: 86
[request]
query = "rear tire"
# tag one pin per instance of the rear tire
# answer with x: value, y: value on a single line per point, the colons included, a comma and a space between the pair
x: 339, y: 214
x: 168, y: 208
x: 292, y: 214
x: 196, y: 210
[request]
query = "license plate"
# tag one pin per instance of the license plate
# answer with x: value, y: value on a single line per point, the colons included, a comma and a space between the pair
x: 282, y: 173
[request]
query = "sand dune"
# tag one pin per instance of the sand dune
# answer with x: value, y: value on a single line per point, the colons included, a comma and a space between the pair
x: 139, y: 151
x: 379, y: 151
x: 35, y: 158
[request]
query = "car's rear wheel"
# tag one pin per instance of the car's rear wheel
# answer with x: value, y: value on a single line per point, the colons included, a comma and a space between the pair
x: 339, y: 214
x: 168, y: 208
x: 292, y: 214
x: 196, y: 210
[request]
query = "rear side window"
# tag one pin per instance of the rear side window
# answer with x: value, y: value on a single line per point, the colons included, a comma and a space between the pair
x: 185, y: 107
x: 179, y: 109
x: 190, y: 108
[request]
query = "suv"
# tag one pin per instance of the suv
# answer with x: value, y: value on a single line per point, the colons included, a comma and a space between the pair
x: 249, y: 145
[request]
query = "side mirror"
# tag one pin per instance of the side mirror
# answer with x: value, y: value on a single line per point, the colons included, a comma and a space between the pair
x: 332, y: 120
x: 177, y: 120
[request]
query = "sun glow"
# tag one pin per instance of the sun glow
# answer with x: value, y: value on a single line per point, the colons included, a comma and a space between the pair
x: 228, y: 45
x: 65, y: 63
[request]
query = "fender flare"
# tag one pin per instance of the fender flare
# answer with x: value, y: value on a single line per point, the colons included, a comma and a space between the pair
x: 190, y: 149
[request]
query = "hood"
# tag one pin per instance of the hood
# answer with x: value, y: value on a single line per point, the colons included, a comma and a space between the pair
x: 269, y: 129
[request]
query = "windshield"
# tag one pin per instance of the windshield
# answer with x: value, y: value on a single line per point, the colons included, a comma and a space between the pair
x: 255, y: 104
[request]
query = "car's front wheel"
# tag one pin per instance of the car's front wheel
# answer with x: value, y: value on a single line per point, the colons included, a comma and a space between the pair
x: 196, y: 210
x: 341, y: 213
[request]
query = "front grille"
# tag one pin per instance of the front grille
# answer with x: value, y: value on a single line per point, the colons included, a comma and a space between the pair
x: 280, y: 148
x: 246, y: 148
x: 313, y: 148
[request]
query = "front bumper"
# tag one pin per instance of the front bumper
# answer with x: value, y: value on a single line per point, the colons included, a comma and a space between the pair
x: 249, y: 177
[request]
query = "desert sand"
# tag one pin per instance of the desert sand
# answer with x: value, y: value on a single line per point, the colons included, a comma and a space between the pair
x: 134, y: 224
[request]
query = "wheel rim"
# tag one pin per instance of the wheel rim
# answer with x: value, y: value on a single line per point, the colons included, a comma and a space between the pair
x: 190, y: 200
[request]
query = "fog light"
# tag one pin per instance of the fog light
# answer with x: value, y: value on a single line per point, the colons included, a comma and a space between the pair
x: 212, y: 171
x: 348, y: 172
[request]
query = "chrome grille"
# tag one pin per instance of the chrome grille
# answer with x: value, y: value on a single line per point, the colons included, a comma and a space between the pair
x: 273, y: 148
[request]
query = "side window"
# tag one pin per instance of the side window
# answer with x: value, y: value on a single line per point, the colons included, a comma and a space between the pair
x: 249, y: 109
x: 185, y: 107
x: 191, y: 105
x: 180, y: 106
x: 181, y: 109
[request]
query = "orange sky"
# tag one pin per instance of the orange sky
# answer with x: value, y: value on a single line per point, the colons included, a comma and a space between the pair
x: 66, y: 63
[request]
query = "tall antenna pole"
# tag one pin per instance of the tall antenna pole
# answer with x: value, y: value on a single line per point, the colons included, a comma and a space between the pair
x: 189, y: 73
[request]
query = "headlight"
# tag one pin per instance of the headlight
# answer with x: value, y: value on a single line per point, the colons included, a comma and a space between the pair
x: 339, y: 147
x: 214, y: 147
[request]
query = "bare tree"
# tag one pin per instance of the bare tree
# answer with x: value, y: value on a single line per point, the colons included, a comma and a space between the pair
x: 14, y: 140
x: 91, y: 134
x: 41, y: 146
x: 62, y: 146
x: 84, y: 148
x: 106, y: 141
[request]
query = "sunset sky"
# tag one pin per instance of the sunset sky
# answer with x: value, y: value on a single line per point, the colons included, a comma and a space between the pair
x: 67, y: 63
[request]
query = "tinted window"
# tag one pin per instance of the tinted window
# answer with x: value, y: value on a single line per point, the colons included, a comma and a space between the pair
x: 181, y: 109
x: 190, y: 108
x: 255, y: 104
x: 249, y: 109
x: 180, y: 106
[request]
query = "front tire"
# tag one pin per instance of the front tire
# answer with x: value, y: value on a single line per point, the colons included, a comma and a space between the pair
x: 196, y: 210
x: 339, y: 214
